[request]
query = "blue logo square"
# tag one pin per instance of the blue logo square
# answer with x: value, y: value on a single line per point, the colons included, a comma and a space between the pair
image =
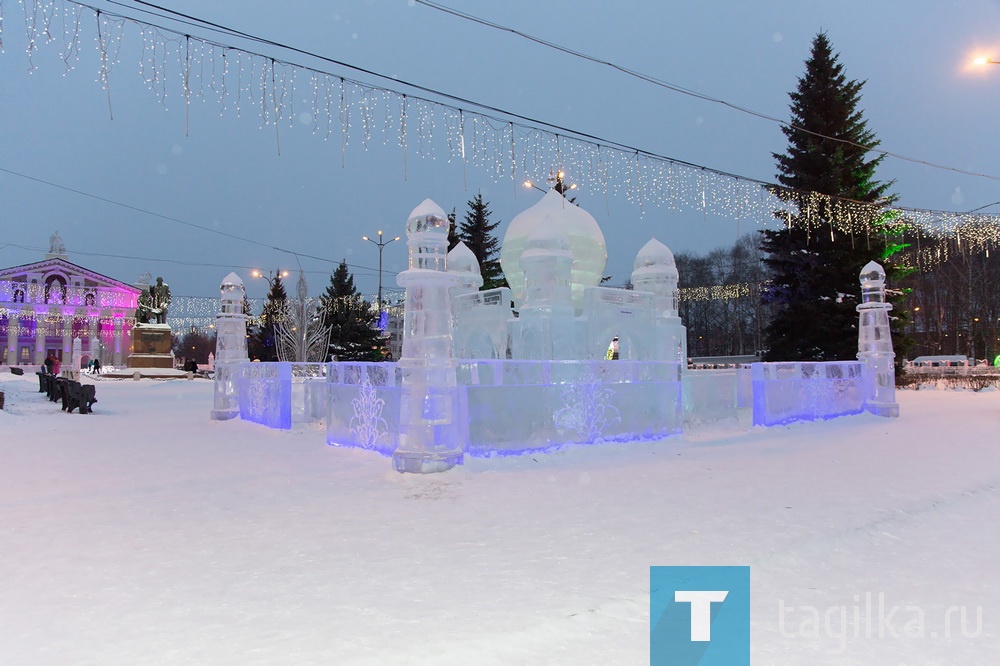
x: 699, y: 616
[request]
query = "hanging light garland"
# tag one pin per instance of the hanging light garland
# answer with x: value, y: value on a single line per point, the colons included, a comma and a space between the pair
x: 180, y: 69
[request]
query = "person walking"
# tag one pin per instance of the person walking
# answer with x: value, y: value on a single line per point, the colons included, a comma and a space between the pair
x: 49, y: 363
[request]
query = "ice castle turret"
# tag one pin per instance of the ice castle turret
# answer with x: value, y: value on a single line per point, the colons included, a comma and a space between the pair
x: 230, y: 347
x: 431, y: 432
x: 480, y: 317
x: 463, y: 264
x: 585, y: 238
x: 545, y: 328
x: 875, y: 342
x: 655, y: 271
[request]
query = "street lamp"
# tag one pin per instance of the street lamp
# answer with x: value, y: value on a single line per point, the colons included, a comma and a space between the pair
x: 555, y: 180
x: 985, y: 61
x: 381, y: 244
x: 271, y: 276
x: 268, y: 313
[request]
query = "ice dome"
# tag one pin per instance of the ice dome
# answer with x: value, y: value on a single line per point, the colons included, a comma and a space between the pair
x: 579, y: 227
x: 547, y: 240
x: 654, y: 258
x: 463, y: 260
x: 427, y: 217
x: 232, y: 287
x: 872, y: 273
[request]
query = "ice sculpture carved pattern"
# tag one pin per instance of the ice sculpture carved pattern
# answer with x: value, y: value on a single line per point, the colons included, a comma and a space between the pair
x: 257, y: 377
x: 587, y: 411
x: 367, y: 424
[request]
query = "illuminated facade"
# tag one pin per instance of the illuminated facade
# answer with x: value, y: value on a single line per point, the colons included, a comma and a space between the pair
x: 46, y: 305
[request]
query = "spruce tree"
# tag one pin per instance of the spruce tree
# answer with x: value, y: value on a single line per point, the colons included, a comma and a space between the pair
x: 263, y: 344
x: 814, y: 262
x: 354, y: 334
x: 477, y: 233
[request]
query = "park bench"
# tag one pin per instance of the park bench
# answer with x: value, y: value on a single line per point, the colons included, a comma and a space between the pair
x: 77, y: 396
x: 16, y: 371
x: 47, y: 385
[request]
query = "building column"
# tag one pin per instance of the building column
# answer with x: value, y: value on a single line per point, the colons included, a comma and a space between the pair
x: 41, y: 331
x: 94, y: 344
x: 13, y: 331
x: 117, y: 358
x: 67, y: 336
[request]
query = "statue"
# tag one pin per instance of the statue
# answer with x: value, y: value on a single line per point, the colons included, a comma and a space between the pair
x: 159, y: 295
x: 56, y: 245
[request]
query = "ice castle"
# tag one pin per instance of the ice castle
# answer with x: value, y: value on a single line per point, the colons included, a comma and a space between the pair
x: 554, y: 359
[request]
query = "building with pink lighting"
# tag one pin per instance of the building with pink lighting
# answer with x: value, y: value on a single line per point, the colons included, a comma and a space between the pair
x: 45, y: 305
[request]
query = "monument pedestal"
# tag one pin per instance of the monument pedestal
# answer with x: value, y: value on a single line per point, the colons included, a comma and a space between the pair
x: 151, y: 346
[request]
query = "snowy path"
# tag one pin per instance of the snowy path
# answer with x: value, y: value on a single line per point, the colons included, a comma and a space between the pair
x: 146, y: 533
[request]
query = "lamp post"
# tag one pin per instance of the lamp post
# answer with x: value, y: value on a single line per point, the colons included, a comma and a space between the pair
x: 267, y: 314
x: 381, y: 244
x: 985, y: 61
x: 270, y: 277
x: 555, y: 180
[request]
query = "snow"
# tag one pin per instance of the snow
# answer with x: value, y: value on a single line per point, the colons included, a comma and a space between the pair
x: 147, y: 533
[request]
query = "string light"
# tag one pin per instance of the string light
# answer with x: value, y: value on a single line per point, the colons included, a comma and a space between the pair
x: 502, y: 148
x: 720, y: 292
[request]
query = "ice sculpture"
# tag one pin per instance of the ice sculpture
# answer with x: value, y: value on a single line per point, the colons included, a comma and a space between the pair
x: 463, y: 263
x: 655, y: 271
x: 230, y: 348
x: 875, y: 342
x: 431, y: 434
x: 545, y: 326
x: 480, y: 317
x: 581, y: 230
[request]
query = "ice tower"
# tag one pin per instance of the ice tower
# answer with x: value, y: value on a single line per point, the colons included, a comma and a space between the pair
x: 230, y: 348
x: 545, y: 325
x: 655, y: 271
x: 875, y: 343
x: 431, y: 432
x: 480, y: 317
x: 463, y: 264
x: 586, y: 241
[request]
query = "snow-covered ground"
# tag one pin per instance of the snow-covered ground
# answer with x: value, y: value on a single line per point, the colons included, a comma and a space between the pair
x: 146, y: 533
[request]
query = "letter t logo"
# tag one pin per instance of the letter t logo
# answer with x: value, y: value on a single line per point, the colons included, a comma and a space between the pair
x: 701, y: 610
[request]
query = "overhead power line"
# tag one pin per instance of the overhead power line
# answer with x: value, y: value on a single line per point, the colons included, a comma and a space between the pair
x: 634, y: 164
x: 687, y: 91
x: 176, y: 220
x: 187, y: 19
